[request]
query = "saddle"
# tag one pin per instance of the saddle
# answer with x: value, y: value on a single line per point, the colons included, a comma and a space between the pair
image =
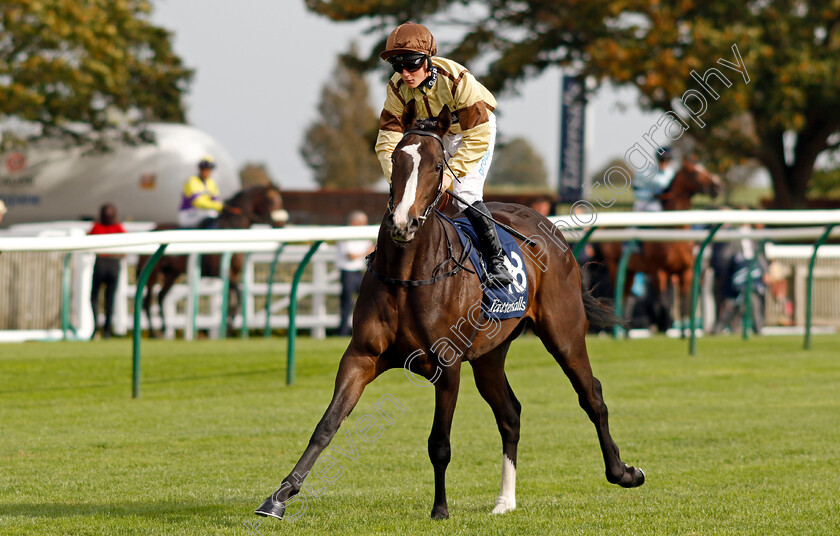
x: 506, y: 302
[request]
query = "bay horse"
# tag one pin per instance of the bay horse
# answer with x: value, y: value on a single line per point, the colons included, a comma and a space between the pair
x: 416, y: 313
x: 258, y: 204
x: 662, y: 261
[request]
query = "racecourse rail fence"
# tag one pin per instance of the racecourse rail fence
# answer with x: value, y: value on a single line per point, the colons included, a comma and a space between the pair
x: 33, y: 267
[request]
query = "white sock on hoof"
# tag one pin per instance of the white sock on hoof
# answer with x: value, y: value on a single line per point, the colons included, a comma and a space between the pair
x: 507, y: 495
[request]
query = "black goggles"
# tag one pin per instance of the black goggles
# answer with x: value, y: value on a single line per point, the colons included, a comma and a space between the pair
x: 408, y: 63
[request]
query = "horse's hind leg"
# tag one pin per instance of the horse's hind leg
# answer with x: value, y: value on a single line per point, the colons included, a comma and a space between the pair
x: 565, y: 339
x: 168, y: 280
x: 147, y: 300
x: 494, y: 388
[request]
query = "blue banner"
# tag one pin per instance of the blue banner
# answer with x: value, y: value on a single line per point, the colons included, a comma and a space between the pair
x: 572, y: 132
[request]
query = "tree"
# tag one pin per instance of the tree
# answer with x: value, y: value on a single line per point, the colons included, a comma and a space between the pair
x: 516, y: 163
x: 774, y: 97
x: 339, y: 145
x: 89, y: 70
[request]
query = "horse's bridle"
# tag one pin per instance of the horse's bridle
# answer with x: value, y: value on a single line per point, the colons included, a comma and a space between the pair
x: 445, y: 166
x: 691, y: 176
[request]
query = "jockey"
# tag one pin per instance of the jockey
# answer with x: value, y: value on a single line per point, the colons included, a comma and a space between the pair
x: 433, y: 82
x: 648, y: 187
x: 200, y: 198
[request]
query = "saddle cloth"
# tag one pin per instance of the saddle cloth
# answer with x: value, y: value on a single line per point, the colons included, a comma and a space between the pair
x: 506, y: 302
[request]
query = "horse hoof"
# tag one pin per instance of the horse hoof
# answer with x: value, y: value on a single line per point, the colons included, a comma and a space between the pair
x: 640, y: 476
x: 503, y: 507
x: 271, y: 508
x: 637, y: 480
x: 440, y: 513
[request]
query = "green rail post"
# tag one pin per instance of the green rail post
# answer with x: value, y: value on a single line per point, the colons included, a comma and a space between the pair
x: 626, y: 251
x: 748, y: 287
x: 244, y: 290
x: 271, y: 271
x: 224, y: 273
x: 290, y: 358
x: 66, y: 285
x: 135, y: 336
x: 695, y: 289
x: 810, y: 296
x: 582, y: 242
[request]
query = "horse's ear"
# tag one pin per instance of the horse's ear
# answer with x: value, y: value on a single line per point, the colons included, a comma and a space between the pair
x: 409, y: 114
x: 444, y: 120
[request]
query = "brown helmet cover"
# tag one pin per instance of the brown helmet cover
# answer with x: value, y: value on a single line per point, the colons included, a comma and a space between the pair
x: 409, y: 37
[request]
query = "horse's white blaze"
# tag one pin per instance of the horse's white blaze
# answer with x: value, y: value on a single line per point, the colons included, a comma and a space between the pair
x: 410, y: 194
x: 507, y: 495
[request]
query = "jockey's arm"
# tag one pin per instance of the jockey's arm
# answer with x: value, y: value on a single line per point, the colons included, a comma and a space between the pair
x: 205, y: 201
x: 470, y: 101
x: 390, y: 129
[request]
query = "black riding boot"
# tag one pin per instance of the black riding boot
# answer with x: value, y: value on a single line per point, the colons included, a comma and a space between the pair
x: 497, y: 273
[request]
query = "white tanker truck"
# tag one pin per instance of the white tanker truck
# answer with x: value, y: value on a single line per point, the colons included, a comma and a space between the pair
x: 39, y: 184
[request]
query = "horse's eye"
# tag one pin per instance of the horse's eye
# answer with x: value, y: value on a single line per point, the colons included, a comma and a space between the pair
x: 438, y: 166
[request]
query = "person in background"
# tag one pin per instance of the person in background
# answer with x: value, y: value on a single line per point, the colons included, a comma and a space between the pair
x: 647, y: 186
x: 351, y: 264
x: 542, y: 204
x: 200, y: 199
x: 745, y: 261
x: 106, y: 269
x: 3, y: 210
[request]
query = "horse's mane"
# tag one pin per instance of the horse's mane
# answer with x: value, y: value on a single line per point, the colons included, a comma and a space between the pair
x: 241, y: 196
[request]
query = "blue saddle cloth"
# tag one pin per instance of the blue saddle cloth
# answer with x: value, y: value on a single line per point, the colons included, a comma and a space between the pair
x: 505, y: 302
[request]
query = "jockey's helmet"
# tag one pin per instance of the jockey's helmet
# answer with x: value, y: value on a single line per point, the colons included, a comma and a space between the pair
x: 409, y: 38
x: 207, y: 163
x: 664, y: 154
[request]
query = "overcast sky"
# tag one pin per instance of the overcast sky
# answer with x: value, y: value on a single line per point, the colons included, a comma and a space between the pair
x: 260, y: 67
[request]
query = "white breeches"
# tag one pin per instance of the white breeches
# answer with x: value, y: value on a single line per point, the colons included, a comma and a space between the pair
x: 471, y: 186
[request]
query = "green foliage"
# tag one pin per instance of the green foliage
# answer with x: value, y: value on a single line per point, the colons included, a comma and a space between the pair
x: 516, y: 163
x: 826, y: 183
x: 338, y: 146
x: 737, y: 441
x: 791, y: 51
x: 84, y: 69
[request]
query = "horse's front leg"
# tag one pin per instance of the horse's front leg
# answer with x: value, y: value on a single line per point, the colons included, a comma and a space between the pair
x: 234, y: 304
x: 446, y: 396
x: 354, y: 372
x: 685, y: 283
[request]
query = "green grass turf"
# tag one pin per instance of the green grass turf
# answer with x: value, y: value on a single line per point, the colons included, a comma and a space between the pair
x: 741, y: 439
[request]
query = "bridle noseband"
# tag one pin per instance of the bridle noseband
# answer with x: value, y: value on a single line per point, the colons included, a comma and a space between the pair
x: 434, y: 203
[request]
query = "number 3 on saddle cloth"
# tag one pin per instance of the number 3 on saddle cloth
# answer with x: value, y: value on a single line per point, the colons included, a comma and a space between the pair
x: 505, y: 302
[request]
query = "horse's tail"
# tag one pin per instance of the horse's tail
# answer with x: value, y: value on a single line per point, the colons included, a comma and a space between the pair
x: 597, y: 313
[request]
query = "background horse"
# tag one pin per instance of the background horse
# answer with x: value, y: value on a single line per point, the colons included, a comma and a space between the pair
x: 259, y: 204
x: 418, y: 309
x: 661, y: 261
